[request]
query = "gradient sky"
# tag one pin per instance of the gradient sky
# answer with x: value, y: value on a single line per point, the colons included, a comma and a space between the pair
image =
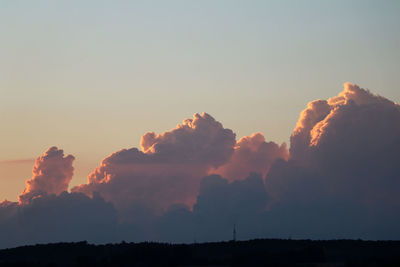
x: 91, y: 77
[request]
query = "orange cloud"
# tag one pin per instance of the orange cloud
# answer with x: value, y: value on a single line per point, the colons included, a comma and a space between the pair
x: 340, y: 180
x: 347, y: 145
x: 252, y: 154
x: 169, y: 168
x: 52, y: 173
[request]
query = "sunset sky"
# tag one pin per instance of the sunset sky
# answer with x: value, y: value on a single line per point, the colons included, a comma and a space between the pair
x: 93, y: 77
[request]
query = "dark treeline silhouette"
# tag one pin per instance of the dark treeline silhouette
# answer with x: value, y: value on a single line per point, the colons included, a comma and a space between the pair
x: 259, y: 252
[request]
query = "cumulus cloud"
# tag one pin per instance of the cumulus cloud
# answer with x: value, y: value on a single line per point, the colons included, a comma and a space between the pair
x: 201, y: 140
x: 344, y: 166
x: 52, y: 173
x: 340, y: 179
x: 299, y: 140
x: 9, y: 232
x: 354, y: 145
x: 252, y: 154
x: 46, y: 212
x: 68, y: 217
x: 340, y: 115
x: 167, y: 170
x: 220, y: 205
x: 217, y: 195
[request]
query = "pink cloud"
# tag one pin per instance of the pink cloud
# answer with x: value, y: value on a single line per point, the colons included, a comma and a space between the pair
x: 252, y: 154
x: 52, y: 173
x: 169, y: 168
x: 346, y: 146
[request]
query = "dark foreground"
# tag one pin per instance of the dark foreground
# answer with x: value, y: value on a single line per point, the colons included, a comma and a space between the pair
x: 262, y: 252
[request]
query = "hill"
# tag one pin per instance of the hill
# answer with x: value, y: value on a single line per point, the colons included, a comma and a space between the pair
x: 259, y: 252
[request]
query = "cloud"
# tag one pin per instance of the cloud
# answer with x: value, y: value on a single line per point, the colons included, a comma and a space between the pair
x: 339, y: 179
x: 201, y: 140
x: 252, y: 154
x: 68, y: 217
x: 343, y: 167
x: 47, y: 213
x: 355, y: 145
x: 218, y: 195
x: 52, y: 173
x: 167, y: 170
x: 348, y: 111
x: 299, y: 140
x: 9, y: 231
x: 220, y: 204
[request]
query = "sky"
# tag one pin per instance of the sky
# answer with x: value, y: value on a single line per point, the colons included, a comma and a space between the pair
x: 92, y: 77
